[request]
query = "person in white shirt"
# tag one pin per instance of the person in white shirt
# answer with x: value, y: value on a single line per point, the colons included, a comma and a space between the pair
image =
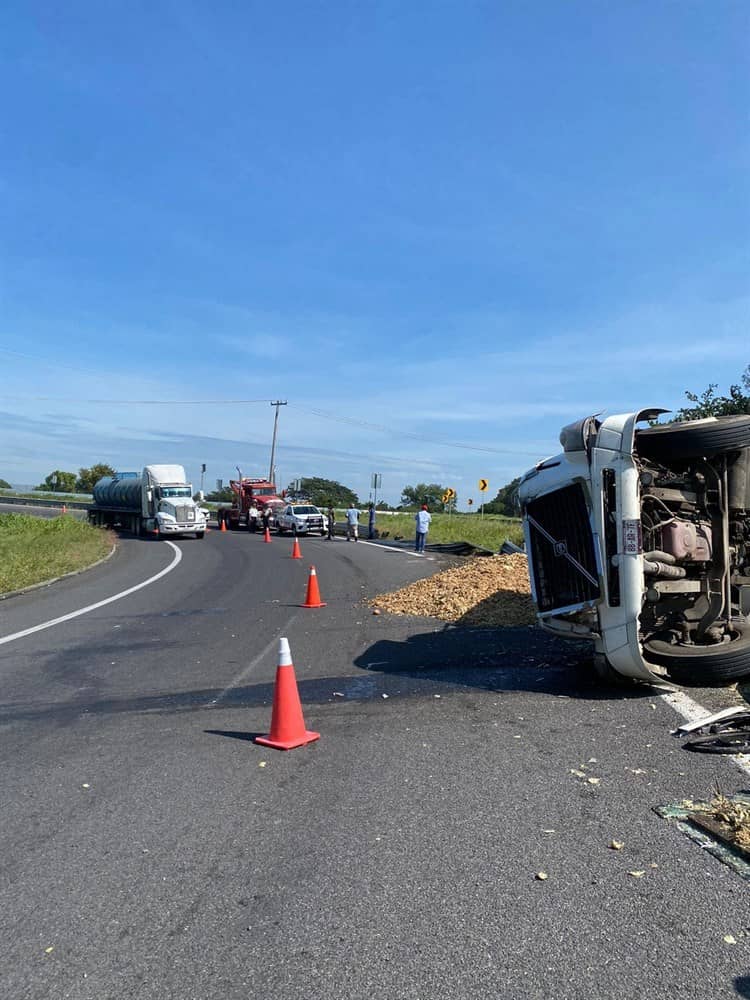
x: 253, y: 517
x: 352, y: 524
x: 423, y: 518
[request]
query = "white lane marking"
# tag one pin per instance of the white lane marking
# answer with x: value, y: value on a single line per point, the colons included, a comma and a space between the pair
x: 692, y: 711
x: 392, y: 548
x: 99, y: 604
x: 246, y: 671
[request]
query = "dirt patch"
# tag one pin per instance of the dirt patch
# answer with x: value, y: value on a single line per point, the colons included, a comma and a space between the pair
x: 484, y: 591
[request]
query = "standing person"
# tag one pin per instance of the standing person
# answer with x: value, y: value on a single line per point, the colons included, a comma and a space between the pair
x: 423, y: 518
x: 331, y: 515
x: 371, y: 522
x: 253, y: 517
x: 266, y: 516
x: 352, y: 524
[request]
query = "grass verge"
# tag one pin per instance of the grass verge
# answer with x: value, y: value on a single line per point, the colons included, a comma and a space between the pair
x: 488, y: 532
x: 34, y: 549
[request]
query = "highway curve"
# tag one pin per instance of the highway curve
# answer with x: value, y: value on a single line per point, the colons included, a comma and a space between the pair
x: 151, y: 850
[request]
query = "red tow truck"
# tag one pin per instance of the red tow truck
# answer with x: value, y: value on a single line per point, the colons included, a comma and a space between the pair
x: 246, y: 491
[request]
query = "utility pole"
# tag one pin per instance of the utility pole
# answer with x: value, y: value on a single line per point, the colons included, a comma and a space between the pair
x: 376, y: 481
x: 277, y: 403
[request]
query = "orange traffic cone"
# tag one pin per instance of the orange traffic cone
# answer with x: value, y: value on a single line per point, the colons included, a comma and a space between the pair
x: 296, y: 553
x: 267, y: 536
x: 287, y: 723
x: 223, y: 525
x: 313, y: 594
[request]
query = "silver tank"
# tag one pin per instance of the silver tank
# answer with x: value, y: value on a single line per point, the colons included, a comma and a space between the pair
x: 122, y: 493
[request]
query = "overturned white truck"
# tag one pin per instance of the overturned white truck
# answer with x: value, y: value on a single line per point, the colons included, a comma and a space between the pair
x: 639, y: 539
x: 156, y: 500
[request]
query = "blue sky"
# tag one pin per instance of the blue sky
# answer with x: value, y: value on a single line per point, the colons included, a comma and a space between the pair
x: 439, y: 230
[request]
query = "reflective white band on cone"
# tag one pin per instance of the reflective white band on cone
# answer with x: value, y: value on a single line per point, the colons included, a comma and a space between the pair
x: 285, y: 655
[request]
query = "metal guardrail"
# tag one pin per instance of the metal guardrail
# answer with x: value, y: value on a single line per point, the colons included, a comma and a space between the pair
x: 39, y: 502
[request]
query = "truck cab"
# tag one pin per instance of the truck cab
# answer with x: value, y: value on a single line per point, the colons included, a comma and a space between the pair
x: 639, y: 540
x: 247, y: 491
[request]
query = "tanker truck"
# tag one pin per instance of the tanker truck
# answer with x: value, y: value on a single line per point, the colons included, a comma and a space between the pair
x: 155, y: 500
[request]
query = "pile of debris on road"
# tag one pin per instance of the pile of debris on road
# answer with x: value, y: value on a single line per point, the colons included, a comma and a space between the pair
x: 485, y: 591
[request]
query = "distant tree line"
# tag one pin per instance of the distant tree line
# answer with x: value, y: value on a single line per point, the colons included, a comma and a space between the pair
x: 61, y: 481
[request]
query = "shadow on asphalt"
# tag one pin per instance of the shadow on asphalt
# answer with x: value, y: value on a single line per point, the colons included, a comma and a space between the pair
x: 497, y: 659
x: 424, y: 665
x: 742, y: 986
x: 233, y: 735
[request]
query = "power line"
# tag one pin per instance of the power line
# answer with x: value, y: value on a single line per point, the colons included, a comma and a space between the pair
x: 324, y: 414
x: 137, y: 402
x: 355, y: 422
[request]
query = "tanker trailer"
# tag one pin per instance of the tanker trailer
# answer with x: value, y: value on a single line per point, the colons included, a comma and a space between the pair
x: 157, y: 500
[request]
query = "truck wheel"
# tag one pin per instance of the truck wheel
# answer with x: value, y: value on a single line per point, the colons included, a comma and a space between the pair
x: 695, y: 438
x: 722, y: 663
x: 200, y: 534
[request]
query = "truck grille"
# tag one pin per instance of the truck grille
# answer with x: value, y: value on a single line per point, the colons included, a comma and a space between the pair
x: 562, y: 549
x: 183, y: 514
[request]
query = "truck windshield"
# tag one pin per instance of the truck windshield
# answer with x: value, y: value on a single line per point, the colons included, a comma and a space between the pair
x: 263, y: 491
x: 175, y: 491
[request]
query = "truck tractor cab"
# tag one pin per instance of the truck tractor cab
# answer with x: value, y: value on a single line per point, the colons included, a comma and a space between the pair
x: 639, y: 539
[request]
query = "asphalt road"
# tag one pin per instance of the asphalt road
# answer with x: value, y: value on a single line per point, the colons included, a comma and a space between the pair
x: 150, y: 849
x: 37, y: 511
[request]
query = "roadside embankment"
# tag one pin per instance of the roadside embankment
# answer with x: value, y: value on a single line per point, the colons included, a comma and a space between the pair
x: 487, y: 532
x: 34, y: 549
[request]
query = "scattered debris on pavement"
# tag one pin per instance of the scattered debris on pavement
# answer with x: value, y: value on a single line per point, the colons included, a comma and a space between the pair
x: 727, y: 732
x: 727, y: 818
x: 492, y: 590
x: 720, y: 827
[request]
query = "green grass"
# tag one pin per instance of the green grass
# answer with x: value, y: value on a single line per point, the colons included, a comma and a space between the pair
x: 34, y: 549
x: 488, y: 532
x: 44, y: 495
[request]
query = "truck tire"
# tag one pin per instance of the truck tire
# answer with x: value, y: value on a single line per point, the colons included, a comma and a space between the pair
x: 200, y: 534
x: 722, y: 663
x: 695, y: 438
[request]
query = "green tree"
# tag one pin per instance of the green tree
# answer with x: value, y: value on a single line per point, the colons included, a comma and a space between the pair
x: 423, y: 493
x: 323, y: 492
x: 59, y: 482
x: 506, y: 500
x: 88, y: 478
x: 5, y: 485
x: 224, y: 495
x: 708, y: 404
